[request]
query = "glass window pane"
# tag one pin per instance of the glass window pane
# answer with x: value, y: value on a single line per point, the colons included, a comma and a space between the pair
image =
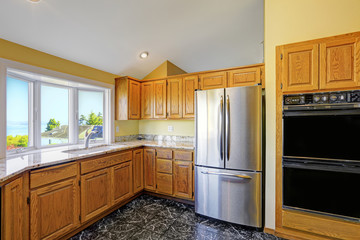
x: 17, y: 113
x: 91, y: 112
x: 54, y: 115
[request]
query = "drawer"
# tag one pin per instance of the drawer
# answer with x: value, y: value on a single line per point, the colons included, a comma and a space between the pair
x: 164, y: 166
x: 183, y: 155
x: 52, y: 174
x: 164, y: 183
x: 105, y: 161
x: 164, y: 153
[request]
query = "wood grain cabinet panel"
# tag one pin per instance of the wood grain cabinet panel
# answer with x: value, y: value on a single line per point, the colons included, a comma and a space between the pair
x: 164, y: 166
x: 244, y: 77
x: 134, y: 100
x: 213, y: 80
x: 183, y: 155
x: 95, y: 193
x: 164, y: 183
x: 149, y: 169
x: 13, y: 211
x: 147, y: 100
x: 183, y: 185
x: 340, y: 63
x: 138, y: 170
x: 300, y: 67
x: 121, y: 182
x: 160, y: 99
x: 54, y: 209
x: 174, y: 98
x: 164, y: 153
x: 190, y: 84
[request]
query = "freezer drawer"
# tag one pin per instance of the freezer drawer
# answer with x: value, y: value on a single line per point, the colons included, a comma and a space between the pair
x: 232, y: 196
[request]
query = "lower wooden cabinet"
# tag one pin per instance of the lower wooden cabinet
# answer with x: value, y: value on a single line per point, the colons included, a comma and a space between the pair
x: 138, y: 170
x: 54, y: 209
x: 164, y: 183
x: 95, y: 193
x: 150, y: 169
x: 13, y: 206
x: 121, y: 182
x: 183, y: 182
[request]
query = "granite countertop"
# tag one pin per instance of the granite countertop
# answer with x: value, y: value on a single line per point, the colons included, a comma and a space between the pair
x: 18, y: 163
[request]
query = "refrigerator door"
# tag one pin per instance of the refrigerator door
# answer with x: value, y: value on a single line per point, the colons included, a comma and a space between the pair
x: 232, y: 196
x: 243, y: 128
x: 209, y: 128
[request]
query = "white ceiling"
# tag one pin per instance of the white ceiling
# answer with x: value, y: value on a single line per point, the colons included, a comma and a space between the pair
x: 195, y: 35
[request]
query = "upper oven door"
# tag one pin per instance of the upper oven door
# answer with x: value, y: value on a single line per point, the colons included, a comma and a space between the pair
x: 329, y: 134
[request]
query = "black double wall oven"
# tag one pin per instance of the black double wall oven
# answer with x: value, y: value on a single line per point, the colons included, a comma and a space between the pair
x: 321, y: 153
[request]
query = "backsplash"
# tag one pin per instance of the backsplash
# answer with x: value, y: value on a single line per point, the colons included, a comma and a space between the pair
x: 152, y: 137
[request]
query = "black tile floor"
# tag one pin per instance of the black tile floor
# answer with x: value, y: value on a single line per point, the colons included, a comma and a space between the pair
x: 149, y: 217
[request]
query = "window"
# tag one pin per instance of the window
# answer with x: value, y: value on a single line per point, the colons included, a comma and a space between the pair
x: 42, y: 111
x: 17, y: 114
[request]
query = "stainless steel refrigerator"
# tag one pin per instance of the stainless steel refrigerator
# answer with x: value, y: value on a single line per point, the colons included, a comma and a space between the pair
x: 228, y: 150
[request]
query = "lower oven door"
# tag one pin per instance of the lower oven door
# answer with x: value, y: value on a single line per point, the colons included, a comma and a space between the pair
x: 325, y: 188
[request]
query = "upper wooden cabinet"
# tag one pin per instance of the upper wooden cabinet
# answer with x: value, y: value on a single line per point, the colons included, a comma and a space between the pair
x: 300, y: 67
x: 244, y: 77
x: 127, y: 99
x: 147, y: 100
x: 324, y: 64
x: 174, y: 98
x: 190, y: 84
x: 160, y: 99
x: 340, y: 63
x: 213, y: 80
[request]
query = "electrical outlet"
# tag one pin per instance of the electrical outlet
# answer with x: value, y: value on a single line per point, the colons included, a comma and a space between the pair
x: 117, y: 129
x: 170, y: 128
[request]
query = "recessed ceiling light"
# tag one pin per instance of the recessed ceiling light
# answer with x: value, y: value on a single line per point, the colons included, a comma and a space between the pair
x: 34, y: 1
x: 144, y: 55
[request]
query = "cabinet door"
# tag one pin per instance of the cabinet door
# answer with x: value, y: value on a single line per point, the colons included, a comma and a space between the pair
x: 300, y: 65
x: 121, y: 182
x: 244, y: 77
x: 160, y: 99
x: 174, y: 98
x: 340, y: 63
x: 13, y: 210
x: 147, y: 100
x: 138, y: 172
x: 164, y: 183
x: 54, y: 209
x: 213, y: 80
x: 183, y: 186
x: 134, y: 100
x: 95, y: 193
x: 150, y: 168
x: 190, y: 84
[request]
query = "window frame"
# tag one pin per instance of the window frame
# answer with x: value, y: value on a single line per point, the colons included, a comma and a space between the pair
x: 71, y: 82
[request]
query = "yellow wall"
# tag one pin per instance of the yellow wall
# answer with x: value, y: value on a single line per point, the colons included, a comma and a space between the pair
x: 293, y: 21
x: 127, y: 127
x: 160, y: 127
x: 19, y: 53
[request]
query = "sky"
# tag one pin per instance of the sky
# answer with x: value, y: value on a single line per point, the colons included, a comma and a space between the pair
x: 54, y: 102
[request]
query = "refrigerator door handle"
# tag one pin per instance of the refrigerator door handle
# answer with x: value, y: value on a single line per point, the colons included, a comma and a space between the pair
x: 221, y: 128
x: 227, y: 128
x: 226, y: 174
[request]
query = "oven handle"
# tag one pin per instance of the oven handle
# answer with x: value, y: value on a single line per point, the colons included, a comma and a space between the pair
x: 292, y: 113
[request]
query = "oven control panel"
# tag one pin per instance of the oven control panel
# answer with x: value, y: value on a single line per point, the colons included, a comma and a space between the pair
x: 323, y: 98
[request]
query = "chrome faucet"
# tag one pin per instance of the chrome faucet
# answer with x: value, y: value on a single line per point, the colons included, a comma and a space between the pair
x: 88, y: 136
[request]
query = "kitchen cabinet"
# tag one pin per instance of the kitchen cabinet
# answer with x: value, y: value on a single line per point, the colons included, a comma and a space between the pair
x: 174, y: 98
x: 149, y: 169
x: 147, y: 100
x: 213, y: 80
x: 138, y: 170
x: 160, y: 99
x: 127, y: 99
x: 183, y: 182
x: 300, y: 67
x: 340, y: 63
x: 14, y: 209
x: 244, y: 77
x: 95, y: 193
x: 190, y: 84
x: 164, y: 177
x: 121, y: 182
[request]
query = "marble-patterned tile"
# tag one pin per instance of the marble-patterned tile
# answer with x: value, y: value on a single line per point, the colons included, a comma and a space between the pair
x: 153, y: 208
x: 190, y: 217
x: 159, y: 224
x: 144, y: 234
x: 171, y: 212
